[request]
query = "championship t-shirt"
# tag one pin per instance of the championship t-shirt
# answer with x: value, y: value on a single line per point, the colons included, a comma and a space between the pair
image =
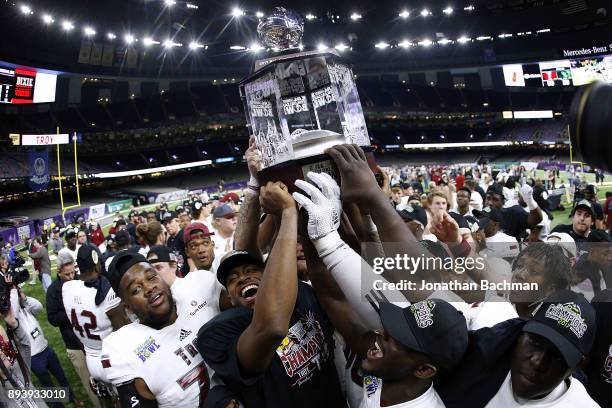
x: 599, y: 369
x: 302, y: 372
x: 167, y: 359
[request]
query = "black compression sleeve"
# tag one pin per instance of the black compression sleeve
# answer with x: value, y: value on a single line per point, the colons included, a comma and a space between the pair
x: 130, y: 398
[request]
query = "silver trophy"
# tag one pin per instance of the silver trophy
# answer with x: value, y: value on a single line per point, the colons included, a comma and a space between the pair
x: 298, y: 104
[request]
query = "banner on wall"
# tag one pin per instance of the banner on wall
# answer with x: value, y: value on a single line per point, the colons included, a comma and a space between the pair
x: 119, y: 206
x: 39, y: 169
x: 97, y: 211
x: 172, y: 196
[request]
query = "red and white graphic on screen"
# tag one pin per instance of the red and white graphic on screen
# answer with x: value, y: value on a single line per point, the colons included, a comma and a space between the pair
x: 24, y: 86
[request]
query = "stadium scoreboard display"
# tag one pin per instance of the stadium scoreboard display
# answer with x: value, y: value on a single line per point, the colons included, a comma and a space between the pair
x: 560, y: 73
x: 23, y: 85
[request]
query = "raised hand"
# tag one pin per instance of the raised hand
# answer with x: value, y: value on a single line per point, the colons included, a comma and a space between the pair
x: 445, y: 228
x: 358, y: 182
x: 324, y: 207
x: 254, y: 161
x: 275, y: 198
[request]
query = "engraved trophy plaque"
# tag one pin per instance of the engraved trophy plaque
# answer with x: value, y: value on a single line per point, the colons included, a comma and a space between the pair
x: 298, y: 104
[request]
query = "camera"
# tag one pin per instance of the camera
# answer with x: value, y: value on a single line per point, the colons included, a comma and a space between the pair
x: 590, y: 124
x: 20, y: 274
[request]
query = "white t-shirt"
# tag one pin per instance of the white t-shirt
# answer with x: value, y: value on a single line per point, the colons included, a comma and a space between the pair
x: 372, y: 389
x: 563, y: 396
x: 89, y: 322
x: 167, y: 359
x: 27, y: 320
x: 221, y: 244
x: 476, y: 200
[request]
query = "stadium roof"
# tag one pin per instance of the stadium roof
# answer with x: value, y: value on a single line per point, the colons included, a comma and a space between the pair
x: 174, y: 37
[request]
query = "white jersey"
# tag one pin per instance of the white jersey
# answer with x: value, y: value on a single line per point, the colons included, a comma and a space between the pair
x: 574, y: 395
x: 167, y: 359
x: 372, y: 390
x: 89, y: 321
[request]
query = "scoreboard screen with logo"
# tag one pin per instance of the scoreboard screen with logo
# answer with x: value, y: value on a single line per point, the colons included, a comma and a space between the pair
x: 26, y: 85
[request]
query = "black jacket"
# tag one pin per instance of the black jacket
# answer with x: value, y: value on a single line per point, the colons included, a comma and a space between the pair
x: 56, y: 314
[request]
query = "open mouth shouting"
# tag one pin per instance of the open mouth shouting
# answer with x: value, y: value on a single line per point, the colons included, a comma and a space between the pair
x: 156, y: 299
x: 249, y: 292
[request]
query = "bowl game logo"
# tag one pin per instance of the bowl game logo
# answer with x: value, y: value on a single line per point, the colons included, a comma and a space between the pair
x: 303, y: 350
x: 423, y: 313
x: 568, y: 316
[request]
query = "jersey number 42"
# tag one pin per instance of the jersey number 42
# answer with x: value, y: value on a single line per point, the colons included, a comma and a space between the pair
x: 91, y: 325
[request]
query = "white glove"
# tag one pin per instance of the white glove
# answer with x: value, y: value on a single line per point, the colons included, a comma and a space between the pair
x: 526, y: 193
x: 324, y: 209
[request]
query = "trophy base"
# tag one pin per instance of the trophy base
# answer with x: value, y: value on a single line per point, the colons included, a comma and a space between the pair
x: 297, y: 169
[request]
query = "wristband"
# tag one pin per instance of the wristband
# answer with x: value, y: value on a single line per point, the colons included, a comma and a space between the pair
x: 462, y: 250
x: 253, y: 182
x: 328, y: 244
x: 531, y: 204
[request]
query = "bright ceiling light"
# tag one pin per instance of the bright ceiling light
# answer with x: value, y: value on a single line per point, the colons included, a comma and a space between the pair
x: 259, y: 14
x: 448, y: 11
x: 67, y: 25
x: 111, y: 36
x: 425, y: 13
x: 148, y: 41
x: 544, y: 30
x: 47, y: 19
x: 341, y: 47
x: 504, y: 36
x: 484, y: 38
x: 169, y: 3
x: 169, y: 44
x: 256, y: 47
x: 404, y: 14
x: 237, y: 48
x: 463, y: 40
x: 192, y: 6
x: 444, y: 41
x: 321, y: 47
x: 426, y: 43
x: 129, y: 39
x: 237, y: 12
x: 469, y: 8
x: 310, y: 16
x: 26, y: 9
x: 382, y: 45
x: 405, y: 44
x: 90, y: 32
x: 356, y: 16
x: 194, y: 45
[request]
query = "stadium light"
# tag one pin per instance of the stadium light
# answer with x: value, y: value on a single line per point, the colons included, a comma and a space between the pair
x: 67, y: 25
x: 425, y: 12
x: 192, y: 6
x: 148, y: 41
x: 404, y: 14
x: 259, y: 14
x: 463, y: 40
x: 194, y: 45
x: 484, y: 38
x: 469, y: 8
x: 321, y: 47
x: 444, y: 41
x: 89, y: 32
x: 237, y: 12
x: 504, y: 36
x: 27, y: 10
x: 170, y: 44
x: 310, y: 16
x: 426, y: 43
x: 405, y: 44
x: 544, y: 30
x: 382, y: 45
x: 448, y: 11
x: 341, y: 47
x: 129, y: 39
x: 356, y: 16
x: 111, y: 36
x: 256, y: 47
x: 237, y: 48
x: 47, y: 19
x: 169, y: 3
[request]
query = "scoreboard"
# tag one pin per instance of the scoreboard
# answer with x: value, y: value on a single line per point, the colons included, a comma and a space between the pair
x: 23, y: 85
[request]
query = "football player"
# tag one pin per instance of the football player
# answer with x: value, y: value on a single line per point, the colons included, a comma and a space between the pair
x: 92, y: 307
x: 153, y: 362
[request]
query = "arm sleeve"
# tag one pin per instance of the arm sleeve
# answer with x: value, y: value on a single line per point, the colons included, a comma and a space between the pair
x: 117, y: 367
x: 56, y: 314
x: 37, y: 254
x: 363, y: 294
x: 23, y: 341
x: 130, y: 398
